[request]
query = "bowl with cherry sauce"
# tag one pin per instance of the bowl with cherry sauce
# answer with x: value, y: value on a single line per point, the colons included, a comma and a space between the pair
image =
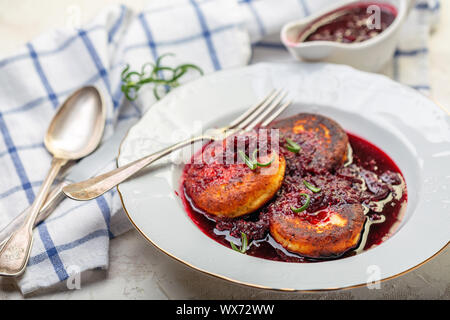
x: 362, y: 34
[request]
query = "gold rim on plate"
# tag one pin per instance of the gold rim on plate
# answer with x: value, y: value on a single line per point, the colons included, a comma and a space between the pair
x: 259, y: 286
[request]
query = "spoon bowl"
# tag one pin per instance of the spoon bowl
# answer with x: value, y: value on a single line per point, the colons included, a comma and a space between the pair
x: 75, y: 132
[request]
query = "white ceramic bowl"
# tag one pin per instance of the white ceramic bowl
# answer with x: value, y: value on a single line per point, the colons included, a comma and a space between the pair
x: 405, y: 124
x: 370, y: 55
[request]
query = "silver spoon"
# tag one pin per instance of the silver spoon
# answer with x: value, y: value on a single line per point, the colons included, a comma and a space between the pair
x: 74, y: 132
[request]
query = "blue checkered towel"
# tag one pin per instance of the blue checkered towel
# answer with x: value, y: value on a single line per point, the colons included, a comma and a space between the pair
x: 214, y: 34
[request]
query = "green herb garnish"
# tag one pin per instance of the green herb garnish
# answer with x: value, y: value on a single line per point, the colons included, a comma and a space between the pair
x: 311, y: 187
x: 244, y: 242
x: 292, y: 146
x: 305, y: 206
x: 253, y: 163
x: 132, y: 81
x: 259, y: 164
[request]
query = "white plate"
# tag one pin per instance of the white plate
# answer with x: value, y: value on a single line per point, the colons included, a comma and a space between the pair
x: 413, y: 131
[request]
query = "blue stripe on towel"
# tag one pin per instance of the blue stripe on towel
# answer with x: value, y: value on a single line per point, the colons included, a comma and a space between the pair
x: 71, y: 40
x: 259, y: 21
x: 95, y: 57
x: 43, y: 256
x: 37, y: 102
x: 151, y: 43
x: 52, y: 252
x: 426, y: 6
x: 19, y: 188
x: 421, y: 87
x: 148, y: 34
x: 12, y: 150
x: 117, y: 24
x: 178, y: 41
x: 206, y: 35
x: 25, y: 147
x: 43, y: 53
x: 12, y: 59
x: 40, y: 72
x: 305, y: 7
x: 269, y: 45
x: 413, y: 52
x: 106, y: 212
x: 52, y: 218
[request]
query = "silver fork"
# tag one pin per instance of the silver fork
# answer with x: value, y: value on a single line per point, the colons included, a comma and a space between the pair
x: 266, y: 110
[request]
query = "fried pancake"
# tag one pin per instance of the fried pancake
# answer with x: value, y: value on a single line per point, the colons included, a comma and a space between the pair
x: 330, y: 140
x: 234, y: 190
x: 332, y: 231
x: 328, y: 234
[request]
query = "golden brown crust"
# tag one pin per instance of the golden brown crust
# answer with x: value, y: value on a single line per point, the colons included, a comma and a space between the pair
x: 234, y: 198
x: 332, y: 237
x: 332, y: 150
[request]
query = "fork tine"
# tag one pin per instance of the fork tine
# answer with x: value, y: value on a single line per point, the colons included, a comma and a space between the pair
x: 274, y: 115
x: 257, y: 111
x: 249, y: 111
x: 266, y: 112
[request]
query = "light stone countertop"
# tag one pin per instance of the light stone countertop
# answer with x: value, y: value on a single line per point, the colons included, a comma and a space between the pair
x: 140, y: 271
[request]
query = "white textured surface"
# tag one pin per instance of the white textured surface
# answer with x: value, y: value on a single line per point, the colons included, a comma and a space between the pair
x: 138, y: 270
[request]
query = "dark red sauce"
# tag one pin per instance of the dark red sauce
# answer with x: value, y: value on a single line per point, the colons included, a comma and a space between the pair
x: 372, y: 158
x: 373, y: 166
x: 349, y: 24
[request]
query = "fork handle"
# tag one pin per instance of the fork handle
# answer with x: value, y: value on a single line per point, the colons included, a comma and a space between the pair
x: 95, y: 187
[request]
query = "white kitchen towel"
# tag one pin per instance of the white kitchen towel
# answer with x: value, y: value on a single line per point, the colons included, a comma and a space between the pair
x: 213, y: 34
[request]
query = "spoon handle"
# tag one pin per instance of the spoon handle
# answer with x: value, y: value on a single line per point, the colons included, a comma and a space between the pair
x: 54, y: 197
x: 95, y: 187
x: 16, y: 251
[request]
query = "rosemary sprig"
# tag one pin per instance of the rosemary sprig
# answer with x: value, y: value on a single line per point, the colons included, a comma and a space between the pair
x: 253, y: 163
x: 266, y: 164
x: 311, y: 187
x: 132, y: 81
x: 303, y: 207
x: 260, y: 164
x: 292, y: 146
x: 244, y: 243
